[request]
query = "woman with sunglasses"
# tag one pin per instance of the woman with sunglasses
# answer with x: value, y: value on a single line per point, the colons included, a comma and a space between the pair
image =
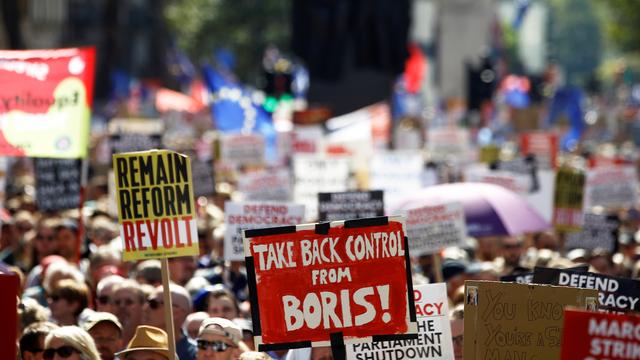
x: 69, y: 343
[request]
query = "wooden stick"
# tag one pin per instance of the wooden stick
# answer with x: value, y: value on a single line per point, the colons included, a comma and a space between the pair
x: 437, y: 267
x: 168, y: 308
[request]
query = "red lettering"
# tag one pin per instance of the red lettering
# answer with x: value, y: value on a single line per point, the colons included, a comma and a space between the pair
x: 176, y: 230
x: 167, y: 235
x: 153, y: 233
x: 129, y: 235
x: 140, y: 234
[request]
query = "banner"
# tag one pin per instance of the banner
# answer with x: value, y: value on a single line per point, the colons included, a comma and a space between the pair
x: 434, y: 331
x: 318, y: 173
x: 57, y: 183
x: 432, y: 228
x: 616, y: 294
x: 350, y: 205
x: 544, y: 145
x: 156, y: 209
x: 600, y: 336
x: 239, y: 216
x: 598, y: 231
x: 242, y: 149
x: 45, y: 102
x: 322, y: 284
x: 517, y: 321
x: 568, y: 199
x: 397, y: 173
x: 611, y: 187
x: 274, y: 185
x: 135, y: 134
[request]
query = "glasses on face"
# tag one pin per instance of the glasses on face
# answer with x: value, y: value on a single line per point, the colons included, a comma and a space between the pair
x: 458, y: 340
x: 154, y: 304
x: 103, y: 299
x: 62, y: 351
x: 217, y: 346
x: 123, y: 302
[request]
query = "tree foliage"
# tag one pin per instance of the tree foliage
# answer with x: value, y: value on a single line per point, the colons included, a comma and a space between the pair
x: 621, y: 24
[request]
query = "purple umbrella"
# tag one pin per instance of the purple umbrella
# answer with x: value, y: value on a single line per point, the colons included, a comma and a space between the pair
x: 489, y: 209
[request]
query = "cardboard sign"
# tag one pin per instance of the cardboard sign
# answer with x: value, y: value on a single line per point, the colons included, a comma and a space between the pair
x: 350, y: 205
x: 568, y: 199
x: 239, y: 216
x: 272, y: 185
x: 544, y: 145
x: 316, y: 173
x: 449, y: 144
x: 156, y: 209
x: 242, y: 149
x: 611, y: 187
x: 598, y: 231
x: 46, y: 102
x: 322, y: 284
x: 600, y: 336
x: 434, y: 331
x: 517, y: 321
x: 432, y: 228
x: 616, y: 294
x: 57, y: 183
x: 135, y: 134
x: 397, y: 173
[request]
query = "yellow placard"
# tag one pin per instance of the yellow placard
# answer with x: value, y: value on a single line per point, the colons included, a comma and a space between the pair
x: 156, y: 209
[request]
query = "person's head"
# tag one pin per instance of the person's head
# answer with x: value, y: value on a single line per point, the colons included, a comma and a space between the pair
x: 32, y: 340
x: 30, y: 312
x: 148, y: 343
x: 104, y: 292
x: 219, y: 339
x: 59, y: 271
x: 70, y: 343
x: 44, y: 238
x: 128, y: 299
x: 153, y: 310
x: 254, y: 355
x: 511, y: 249
x: 457, y: 330
x: 182, y: 269
x: 149, y: 272
x: 101, y: 230
x: 106, y: 331
x: 222, y: 303
x: 192, y: 323
x: 67, y: 300
x: 453, y: 273
x: 103, y: 256
x: 66, y: 235
x: 247, y: 331
x: 546, y: 240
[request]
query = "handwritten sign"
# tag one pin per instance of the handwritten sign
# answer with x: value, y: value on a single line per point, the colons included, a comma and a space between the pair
x: 517, y: 321
x: 309, y: 281
x: 434, y: 331
x: 350, y: 205
x: 615, y: 294
x: 612, y: 187
x: 432, y: 228
x: 57, y: 183
x: 156, y: 210
x: 240, y: 216
x: 600, y: 336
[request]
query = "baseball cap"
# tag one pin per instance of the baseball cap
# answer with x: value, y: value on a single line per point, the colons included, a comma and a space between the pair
x: 97, y: 317
x: 222, y: 327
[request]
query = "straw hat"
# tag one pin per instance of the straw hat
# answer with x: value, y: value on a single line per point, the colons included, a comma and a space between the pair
x: 148, y: 338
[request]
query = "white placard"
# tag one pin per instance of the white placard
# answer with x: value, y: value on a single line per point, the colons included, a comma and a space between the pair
x: 449, y: 144
x: 242, y: 149
x: 611, y: 187
x: 397, y: 173
x: 272, y: 185
x: 432, y: 228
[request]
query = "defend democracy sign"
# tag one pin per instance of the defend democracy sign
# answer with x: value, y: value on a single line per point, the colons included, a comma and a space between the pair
x: 596, y: 335
x: 431, y: 228
x: 322, y: 284
x: 239, y: 216
x: 350, y: 205
x: 615, y: 294
x: 45, y: 102
x: 434, y: 331
x: 155, y: 204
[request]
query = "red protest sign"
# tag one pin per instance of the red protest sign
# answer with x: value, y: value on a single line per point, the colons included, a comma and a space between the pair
x: 544, y: 145
x: 310, y: 284
x: 597, y: 335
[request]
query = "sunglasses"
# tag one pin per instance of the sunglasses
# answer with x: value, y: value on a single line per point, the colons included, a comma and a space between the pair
x: 63, y: 352
x: 103, y: 299
x: 217, y: 346
x: 154, y: 304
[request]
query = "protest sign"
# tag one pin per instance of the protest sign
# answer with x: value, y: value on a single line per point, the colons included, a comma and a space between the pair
x: 448, y: 144
x: 615, y: 294
x: 307, y: 139
x: 434, y: 331
x: 57, y: 183
x: 527, y: 277
x: 322, y: 284
x: 432, y: 228
x: 274, y: 185
x: 544, y: 145
x: 397, y: 173
x: 518, y: 183
x: 517, y: 321
x: 599, y: 231
x: 135, y: 134
x: 318, y: 173
x: 239, y: 216
x: 156, y: 209
x: 611, y: 187
x: 568, y: 199
x: 46, y: 98
x: 600, y: 336
x: 10, y: 288
x: 350, y: 205
x: 242, y: 149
